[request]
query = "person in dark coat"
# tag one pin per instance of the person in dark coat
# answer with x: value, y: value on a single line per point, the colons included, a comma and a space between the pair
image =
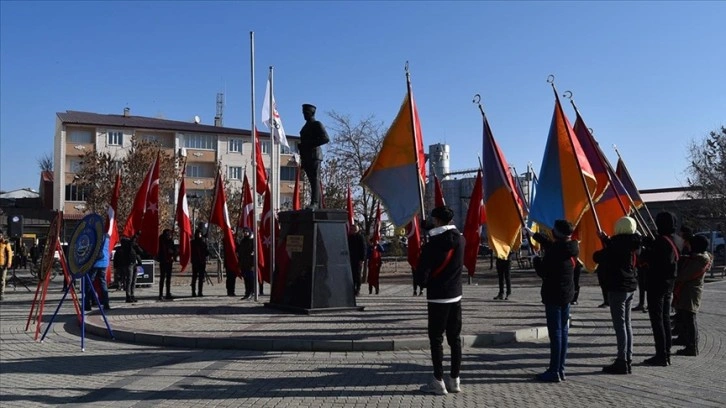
x: 556, y: 268
x: 357, y: 249
x: 166, y: 254
x: 200, y: 252
x: 617, y: 261
x: 246, y: 257
x: 688, y: 291
x: 127, y: 257
x: 662, y: 257
x: 439, y: 271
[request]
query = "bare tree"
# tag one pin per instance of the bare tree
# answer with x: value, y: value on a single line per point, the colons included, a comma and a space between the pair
x: 707, y: 172
x: 353, y: 147
x: 45, y: 162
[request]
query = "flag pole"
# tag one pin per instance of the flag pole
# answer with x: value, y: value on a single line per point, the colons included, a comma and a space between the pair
x: 627, y: 173
x: 551, y: 81
x: 253, y: 132
x: 477, y: 101
x: 275, y: 173
x: 415, y: 144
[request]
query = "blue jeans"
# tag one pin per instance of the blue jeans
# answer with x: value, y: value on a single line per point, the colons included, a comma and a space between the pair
x: 620, y: 303
x: 99, y: 273
x: 557, y: 316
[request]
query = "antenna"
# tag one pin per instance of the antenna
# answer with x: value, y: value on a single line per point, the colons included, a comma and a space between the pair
x: 218, y: 118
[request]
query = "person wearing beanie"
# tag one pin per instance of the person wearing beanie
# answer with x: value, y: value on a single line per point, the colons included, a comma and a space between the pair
x: 439, y: 271
x: 688, y: 291
x: 662, y: 258
x: 556, y: 268
x: 617, y: 263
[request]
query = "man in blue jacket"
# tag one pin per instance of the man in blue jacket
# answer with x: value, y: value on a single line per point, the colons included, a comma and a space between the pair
x: 439, y: 271
x: 99, y: 271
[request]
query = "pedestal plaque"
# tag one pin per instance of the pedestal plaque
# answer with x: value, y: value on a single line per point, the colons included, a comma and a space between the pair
x: 312, y: 268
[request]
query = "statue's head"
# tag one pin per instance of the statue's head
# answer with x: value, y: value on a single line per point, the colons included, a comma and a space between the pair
x: 308, y: 111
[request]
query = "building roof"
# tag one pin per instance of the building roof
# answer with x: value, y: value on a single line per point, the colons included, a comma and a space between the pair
x: 20, y: 193
x: 667, y: 194
x: 142, y: 122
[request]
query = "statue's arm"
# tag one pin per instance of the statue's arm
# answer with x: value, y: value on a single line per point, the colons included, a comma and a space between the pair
x: 321, y: 135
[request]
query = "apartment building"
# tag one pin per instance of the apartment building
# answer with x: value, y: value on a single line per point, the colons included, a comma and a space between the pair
x: 79, y: 132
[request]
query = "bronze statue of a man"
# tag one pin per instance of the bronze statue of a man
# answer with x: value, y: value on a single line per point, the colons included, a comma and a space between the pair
x: 312, y: 136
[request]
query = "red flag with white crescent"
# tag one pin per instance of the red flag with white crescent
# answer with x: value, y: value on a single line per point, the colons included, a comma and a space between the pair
x: 185, y: 226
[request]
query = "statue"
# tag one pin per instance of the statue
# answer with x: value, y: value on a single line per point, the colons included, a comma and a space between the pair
x: 312, y: 136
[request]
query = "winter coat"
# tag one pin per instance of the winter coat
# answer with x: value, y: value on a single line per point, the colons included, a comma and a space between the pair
x: 689, y: 283
x: 662, y: 264
x: 557, y: 269
x: 199, y: 251
x: 441, y: 262
x: 617, y: 263
x: 246, y: 254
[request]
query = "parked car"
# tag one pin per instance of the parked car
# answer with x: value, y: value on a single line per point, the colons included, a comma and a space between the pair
x: 716, y: 239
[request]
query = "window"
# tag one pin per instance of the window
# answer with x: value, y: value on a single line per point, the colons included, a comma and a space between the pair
x: 289, y: 150
x: 80, y: 136
x: 205, y: 142
x: 287, y: 173
x: 265, y: 147
x: 235, y: 173
x: 235, y: 145
x: 150, y: 138
x: 74, y: 193
x: 114, y: 138
x: 194, y: 170
x: 74, y: 165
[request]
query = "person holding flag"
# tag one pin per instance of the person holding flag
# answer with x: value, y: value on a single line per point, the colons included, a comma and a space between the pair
x: 165, y: 258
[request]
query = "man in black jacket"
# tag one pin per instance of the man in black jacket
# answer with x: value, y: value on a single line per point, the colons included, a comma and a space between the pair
x: 439, y: 271
x: 357, y: 249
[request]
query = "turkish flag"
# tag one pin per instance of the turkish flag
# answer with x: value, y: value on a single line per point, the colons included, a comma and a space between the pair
x: 269, y: 221
x: 472, y: 226
x: 112, y: 226
x: 185, y: 226
x: 220, y: 218
x: 260, y: 172
x: 149, y: 238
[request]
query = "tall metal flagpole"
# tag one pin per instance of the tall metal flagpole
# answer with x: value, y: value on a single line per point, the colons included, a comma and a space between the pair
x: 254, y: 160
x: 551, y: 81
x: 415, y: 145
x: 275, y: 173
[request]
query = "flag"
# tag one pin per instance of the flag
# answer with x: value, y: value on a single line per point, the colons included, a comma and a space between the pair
x: 112, y: 228
x: 351, y: 215
x: 472, y: 227
x: 274, y: 123
x: 413, y: 242
x: 296, y: 191
x: 393, y: 176
x: 220, y: 218
x: 136, y: 216
x: 438, y: 194
x: 269, y: 221
x: 247, y: 216
x: 560, y: 190
x: 594, y: 157
x: 185, y: 225
x: 374, y: 262
x: 260, y: 172
x: 612, y: 205
x: 500, y: 198
x: 622, y: 172
x: 149, y: 238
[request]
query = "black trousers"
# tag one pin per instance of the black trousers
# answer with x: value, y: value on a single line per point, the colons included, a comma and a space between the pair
x: 445, y: 318
x: 689, y: 329
x: 230, y: 282
x: 129, y: 280
x: 198, y: 276
x: 504, y: 267
x: 641, y: 288
x: 356, y: 268
x: 659, y: 308
x: 312, y: 171
x: 164, y: 278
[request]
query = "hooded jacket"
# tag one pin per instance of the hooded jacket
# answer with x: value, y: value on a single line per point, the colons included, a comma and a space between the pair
x: 557, y: 269
x: 617, y: 262
x: 662, y: 256
x: 441, y: 283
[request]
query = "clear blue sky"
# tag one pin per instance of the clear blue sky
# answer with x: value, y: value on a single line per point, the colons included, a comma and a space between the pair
x: 647, y: 76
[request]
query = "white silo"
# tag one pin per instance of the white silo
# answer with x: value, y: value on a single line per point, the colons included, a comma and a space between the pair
x: 439, y: 161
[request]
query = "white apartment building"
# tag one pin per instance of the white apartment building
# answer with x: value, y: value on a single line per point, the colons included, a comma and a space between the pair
x: 80, y: 132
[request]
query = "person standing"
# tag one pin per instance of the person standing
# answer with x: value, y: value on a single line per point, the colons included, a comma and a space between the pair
x: 439, y: 271
x: 357, y: 250
x: 375, y: 262
x: 504, y: 267
x: 166, y: 258
x: 688, y: 292
x: 556, y: 268
x: 6, y: 261
x: 128, y: 257
x: 200, y: 252
x: 246, y: 257
x: 662, y: 257
x: 617, y: 260
x: 98, y: 271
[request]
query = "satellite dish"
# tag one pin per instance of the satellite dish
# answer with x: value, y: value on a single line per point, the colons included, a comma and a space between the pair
x: 196, y: 119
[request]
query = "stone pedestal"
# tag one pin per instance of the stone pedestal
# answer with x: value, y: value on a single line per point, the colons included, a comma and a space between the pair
x: 312, y: 271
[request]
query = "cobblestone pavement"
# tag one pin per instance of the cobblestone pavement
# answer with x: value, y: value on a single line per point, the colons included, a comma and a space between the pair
x: 122, y: 374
